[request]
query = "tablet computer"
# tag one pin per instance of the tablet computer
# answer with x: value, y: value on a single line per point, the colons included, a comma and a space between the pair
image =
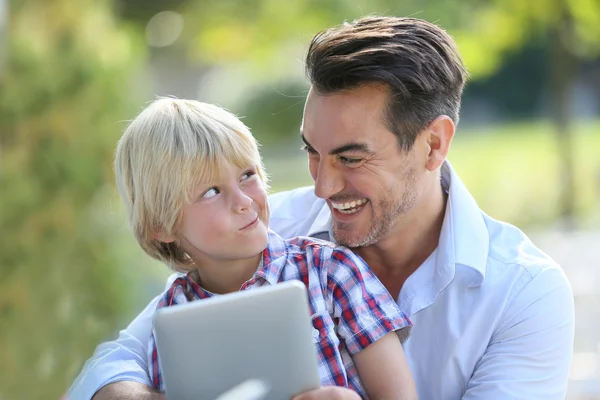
x: 209, y: 346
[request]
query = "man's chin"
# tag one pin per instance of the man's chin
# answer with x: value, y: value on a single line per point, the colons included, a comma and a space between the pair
x: 348, y: 237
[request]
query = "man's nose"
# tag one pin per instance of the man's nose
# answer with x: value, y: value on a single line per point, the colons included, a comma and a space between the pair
x: 328, y: 181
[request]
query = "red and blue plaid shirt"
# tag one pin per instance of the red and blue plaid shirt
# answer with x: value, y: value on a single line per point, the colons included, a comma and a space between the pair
x: 350, y: 308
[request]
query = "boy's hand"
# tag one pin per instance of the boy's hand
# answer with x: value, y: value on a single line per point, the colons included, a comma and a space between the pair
x: 329, y: 393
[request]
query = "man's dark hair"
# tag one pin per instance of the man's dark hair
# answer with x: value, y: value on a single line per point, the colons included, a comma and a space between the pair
x: 417, y: 60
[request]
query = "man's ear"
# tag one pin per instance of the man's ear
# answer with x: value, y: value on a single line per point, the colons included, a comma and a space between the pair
x: 440, y: 133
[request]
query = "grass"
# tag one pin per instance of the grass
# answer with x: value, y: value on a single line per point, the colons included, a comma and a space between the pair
x: 512, y: 170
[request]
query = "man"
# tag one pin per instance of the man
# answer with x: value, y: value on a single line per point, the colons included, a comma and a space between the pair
x: 493, y: 315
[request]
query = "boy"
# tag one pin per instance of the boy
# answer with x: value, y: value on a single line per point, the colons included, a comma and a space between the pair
x: 192, y: 180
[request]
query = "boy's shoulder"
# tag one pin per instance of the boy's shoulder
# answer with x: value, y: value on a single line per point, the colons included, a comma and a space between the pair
x: 320, y: 250
x: 304, y: 243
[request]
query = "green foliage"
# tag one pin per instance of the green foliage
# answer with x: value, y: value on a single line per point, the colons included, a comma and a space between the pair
x: 260, y: 31
x: 64, y: 79
x: 514, y: 171
x: 274, y: 112
x: 263, y: 33
x: 572, y: 29
x: 499, y: 27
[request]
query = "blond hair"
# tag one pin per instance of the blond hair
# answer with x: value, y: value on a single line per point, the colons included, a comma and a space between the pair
x: 171, y: 147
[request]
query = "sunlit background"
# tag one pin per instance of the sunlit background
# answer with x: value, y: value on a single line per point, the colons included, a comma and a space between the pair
x: 73, y: 72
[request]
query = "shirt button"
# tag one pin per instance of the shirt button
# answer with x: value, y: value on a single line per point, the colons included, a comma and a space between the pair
x: 315, y: 333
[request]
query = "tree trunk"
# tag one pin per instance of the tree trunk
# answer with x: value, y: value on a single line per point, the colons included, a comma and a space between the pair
x: 564, y: 65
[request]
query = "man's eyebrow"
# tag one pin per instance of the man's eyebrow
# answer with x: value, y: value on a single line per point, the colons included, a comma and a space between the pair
x: 353, y: 146
x: 305, y: 141
x: 360, y: 147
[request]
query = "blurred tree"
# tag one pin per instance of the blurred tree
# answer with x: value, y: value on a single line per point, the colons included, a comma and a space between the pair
x: 572, y: 29
x: 266, y: 37
x: 229, y: 31
x: 224, y: 31
x: 65, y: 85
x: 140, y: 11
x: 516, y: 90
x: 274, y: 113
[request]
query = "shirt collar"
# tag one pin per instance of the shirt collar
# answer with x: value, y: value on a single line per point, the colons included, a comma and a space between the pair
x: 464, y: 238
x: 322, y: 224
x: 273, y: 260
x: 270, y: 267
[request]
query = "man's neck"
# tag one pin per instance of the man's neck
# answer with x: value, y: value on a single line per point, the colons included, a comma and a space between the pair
x: 415, y: 236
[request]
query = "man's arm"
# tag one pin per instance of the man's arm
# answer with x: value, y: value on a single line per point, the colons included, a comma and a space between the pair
x: 123, y: 359
x: 128, y: 391
x: 530, y: 354
x: 251, y: 389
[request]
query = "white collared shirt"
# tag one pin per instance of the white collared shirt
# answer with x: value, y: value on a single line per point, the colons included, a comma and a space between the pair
x: 493, y: 315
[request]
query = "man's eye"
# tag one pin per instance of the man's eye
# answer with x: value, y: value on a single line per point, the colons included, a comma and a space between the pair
x: 350, y: 160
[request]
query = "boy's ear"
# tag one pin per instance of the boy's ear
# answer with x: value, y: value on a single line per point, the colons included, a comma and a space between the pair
x: 164, y: 238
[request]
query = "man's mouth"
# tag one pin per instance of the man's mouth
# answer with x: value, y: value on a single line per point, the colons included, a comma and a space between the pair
x: 349, y: 207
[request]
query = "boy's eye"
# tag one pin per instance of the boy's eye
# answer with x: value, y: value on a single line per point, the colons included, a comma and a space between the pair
x: 211, y: 193
x: 248, y: 174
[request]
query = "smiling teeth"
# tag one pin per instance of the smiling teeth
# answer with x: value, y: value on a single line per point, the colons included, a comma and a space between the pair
x: 349, y: 207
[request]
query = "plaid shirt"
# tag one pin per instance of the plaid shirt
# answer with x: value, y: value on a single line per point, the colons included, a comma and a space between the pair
x: 350, y: 308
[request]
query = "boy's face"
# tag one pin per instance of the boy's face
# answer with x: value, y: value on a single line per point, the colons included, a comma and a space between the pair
x: 226, y: 220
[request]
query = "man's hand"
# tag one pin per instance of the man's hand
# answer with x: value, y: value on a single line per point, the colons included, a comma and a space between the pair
x: 125, y: 390
x: 251, y: 389
x: 329, y: 393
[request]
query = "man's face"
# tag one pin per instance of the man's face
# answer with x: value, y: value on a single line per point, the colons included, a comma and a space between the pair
x: 369, y: 183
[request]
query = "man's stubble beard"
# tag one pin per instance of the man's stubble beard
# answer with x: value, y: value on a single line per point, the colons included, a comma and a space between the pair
x: 384, y: 221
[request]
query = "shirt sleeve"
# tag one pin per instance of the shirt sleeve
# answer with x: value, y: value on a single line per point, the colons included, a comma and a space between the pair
x: 296, y: 213
x: 176, y: 294
x: 363, y: 307
x: 122, y: 359
x: 529, y: 355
